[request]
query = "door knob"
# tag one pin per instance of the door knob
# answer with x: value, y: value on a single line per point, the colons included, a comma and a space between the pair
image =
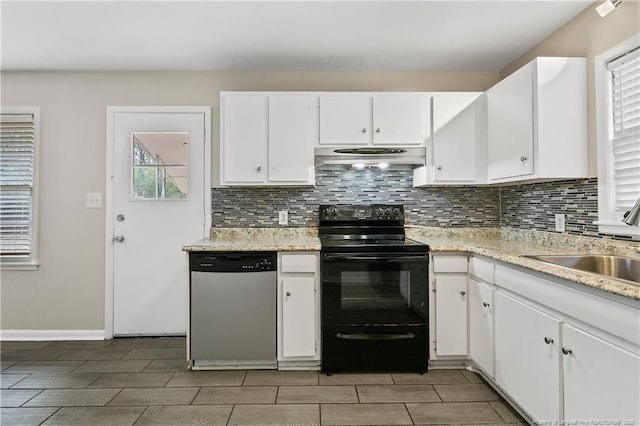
x: 485, y: 304
x: 364, y: 130
x: 462, y: 293
x: 118, y: 238
x: 288, y: 293
x: 120, y: 218
x: 378, y: 130
x: 523, y: 158
x: 548, y: 340
x: 566, y: 351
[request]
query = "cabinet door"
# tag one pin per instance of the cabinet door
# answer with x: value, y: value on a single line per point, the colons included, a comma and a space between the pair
x: 298, y: 317
x: 291, y: 137
x: 401, y: 119
x: 451, y: 315
x: 454, y: 148
x: 345, y: 119
x: 601, y: 381
x: 481, y: 325
x: 510, y: 126
x: 527, y: 363
x: 244, y: 139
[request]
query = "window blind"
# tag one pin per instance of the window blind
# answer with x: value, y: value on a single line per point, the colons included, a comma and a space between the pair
x: 625, y: 90
x: 17, y: 143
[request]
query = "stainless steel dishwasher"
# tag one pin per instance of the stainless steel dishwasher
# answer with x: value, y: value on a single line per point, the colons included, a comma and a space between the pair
x: 233, y: 310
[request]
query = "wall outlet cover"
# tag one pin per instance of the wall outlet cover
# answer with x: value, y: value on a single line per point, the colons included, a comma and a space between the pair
x: 283, y: 217
x: 94, y: 200
x: 560, y: 225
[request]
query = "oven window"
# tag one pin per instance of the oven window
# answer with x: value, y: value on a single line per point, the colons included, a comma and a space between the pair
x: 375, y: 290
x: 361, y: 290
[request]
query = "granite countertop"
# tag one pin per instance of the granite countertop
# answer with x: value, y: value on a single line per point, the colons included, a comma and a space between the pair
x: 258, y: 239
x: 510, y: 246
x: 503, y: 244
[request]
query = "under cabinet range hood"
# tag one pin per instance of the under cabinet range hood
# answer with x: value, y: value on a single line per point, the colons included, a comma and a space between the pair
x: 370, y: 157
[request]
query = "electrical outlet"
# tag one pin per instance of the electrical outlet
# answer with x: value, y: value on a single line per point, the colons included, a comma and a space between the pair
x: 94, y: 200
x: 283, y: 217
x: 559, y: 222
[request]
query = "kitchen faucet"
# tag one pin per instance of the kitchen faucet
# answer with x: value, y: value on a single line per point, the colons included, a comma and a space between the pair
x: 632, y: 217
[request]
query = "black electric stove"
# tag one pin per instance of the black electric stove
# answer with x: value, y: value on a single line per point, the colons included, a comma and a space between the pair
x: 370, y: 228
x: 374, y: 297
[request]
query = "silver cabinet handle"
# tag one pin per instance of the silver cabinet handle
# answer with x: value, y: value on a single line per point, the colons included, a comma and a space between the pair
x: 485, y: 304
x: 548, y: 340
x: 462, y: 293
x: 259, y: 169
x: 378, y: 130
x: 364, y: 130
x: 118, y: 238
x: 523, y: 158
x: 288, y: 293
x: 566, y: 351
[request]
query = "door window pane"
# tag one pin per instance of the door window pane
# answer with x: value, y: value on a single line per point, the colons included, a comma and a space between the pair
x: 159, y: 165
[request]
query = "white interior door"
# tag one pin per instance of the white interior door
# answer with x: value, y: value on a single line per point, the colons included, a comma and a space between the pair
x: 158, y: 205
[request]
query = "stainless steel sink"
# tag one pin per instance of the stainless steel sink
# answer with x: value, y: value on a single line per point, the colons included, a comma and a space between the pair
x: 619, y: 267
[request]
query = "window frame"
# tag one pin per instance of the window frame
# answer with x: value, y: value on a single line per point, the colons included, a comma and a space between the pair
x: 609, y: 221
x: 33, y: 261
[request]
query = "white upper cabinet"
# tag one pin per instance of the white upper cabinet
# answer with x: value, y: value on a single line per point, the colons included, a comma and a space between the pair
x: 400, y: 119
x: 537, y: 122
x: 345, y: 119
x: 267, y: 139
x: 455, y: 152
x: 244, y: 138
x: 378, y: 119
x: 292, y: 131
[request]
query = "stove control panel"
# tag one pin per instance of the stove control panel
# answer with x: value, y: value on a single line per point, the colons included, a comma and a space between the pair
x: 372, y: 213
x: 388, y: 213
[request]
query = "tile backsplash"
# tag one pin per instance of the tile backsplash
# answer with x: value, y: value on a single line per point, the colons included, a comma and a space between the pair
x: 522, y: 206
x: 533, y: 206
x: 434, y: 206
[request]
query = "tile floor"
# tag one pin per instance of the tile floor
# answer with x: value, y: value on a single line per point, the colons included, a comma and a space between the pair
x: 144, y: 381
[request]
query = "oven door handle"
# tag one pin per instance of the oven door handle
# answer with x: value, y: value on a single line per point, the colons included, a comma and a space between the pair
x: 375, y: 336
x: 393, y: 259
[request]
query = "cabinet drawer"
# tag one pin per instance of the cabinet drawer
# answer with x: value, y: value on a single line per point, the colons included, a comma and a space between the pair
x: 446, y: 263
x: 481, y: 269
x: 298, y: 263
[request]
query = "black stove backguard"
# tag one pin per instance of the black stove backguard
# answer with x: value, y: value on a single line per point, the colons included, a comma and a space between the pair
x: 374, y: 297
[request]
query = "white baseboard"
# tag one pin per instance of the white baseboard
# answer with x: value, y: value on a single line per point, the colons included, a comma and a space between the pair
x: 26, y: 335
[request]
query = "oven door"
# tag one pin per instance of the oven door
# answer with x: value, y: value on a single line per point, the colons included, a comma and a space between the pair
x: 374, y: 312
x: 374, y: 289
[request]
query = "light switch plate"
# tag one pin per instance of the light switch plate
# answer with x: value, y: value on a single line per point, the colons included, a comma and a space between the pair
x: 560, y: 223
x: 94, y: 200
x: 283, y: 217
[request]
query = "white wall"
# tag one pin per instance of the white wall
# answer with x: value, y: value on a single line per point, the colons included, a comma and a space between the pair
x: 67, y: 290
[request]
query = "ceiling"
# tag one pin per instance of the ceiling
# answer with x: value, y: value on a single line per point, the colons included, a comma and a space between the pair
x: 446, y: 35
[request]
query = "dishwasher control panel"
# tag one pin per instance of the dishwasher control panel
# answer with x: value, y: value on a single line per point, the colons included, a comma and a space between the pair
x: 233, y: 261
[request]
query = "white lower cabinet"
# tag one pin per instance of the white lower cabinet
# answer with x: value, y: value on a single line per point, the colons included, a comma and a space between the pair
x: 298, y: 316
x: 527, y: 364
x: 451, y: 315
x: 561, y: 353
x: 481, y: 339
x: 601, y: 381
x: 298, y: 310
x: 448, y: 306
